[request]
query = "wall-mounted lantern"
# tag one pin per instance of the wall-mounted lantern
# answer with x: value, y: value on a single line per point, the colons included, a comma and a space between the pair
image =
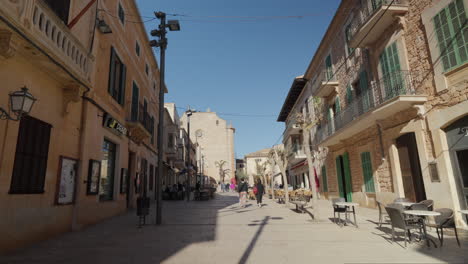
x: 21, y: 103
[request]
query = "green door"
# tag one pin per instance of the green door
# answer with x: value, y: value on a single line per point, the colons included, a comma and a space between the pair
x: 391, y: 70
x: 347, y: 176
x: 339, y: 176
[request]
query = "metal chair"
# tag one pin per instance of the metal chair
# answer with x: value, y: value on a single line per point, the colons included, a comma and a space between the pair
x: 338, y: 209
x: 397, y: 219
x: 400, y: 199
x: 396, y: 206
x: 382, y: 213
x: 428, y: 203
x: 444, y: 220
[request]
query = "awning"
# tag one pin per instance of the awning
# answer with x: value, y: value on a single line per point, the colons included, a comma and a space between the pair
x: 300, y: 164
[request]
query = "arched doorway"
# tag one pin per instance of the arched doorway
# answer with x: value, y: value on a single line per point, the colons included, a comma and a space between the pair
x: 457, y: 139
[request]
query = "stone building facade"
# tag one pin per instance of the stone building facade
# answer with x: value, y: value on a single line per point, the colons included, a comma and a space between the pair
x: 215, y: 138
x: 256, y: 164
x: 392, y: 79
x: 87, y: 149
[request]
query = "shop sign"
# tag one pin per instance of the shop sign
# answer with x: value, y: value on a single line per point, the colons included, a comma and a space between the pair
x: 113, y: 124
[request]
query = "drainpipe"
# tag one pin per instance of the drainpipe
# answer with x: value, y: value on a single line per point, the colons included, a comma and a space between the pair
x: 382, y: 152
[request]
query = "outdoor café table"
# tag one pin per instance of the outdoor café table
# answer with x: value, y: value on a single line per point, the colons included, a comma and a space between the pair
x: 424, y: 214
x: 349, y: 204
x: 465, y: 212
x: 405, y: 204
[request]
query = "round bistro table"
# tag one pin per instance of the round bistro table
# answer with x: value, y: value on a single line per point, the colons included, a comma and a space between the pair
x: 424, y: 214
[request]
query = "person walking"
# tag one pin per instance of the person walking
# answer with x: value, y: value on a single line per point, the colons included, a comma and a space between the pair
x: 243, y: 188
x: 259, y: 191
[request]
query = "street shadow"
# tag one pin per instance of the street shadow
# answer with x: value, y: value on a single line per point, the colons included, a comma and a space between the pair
x: 253, y: 242
x: 119, y: 240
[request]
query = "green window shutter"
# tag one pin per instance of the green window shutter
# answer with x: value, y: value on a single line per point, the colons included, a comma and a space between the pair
x: 337, y: 106
x: 135, y: 96
x: 367, y: 172
x: 391, y: 70
x: 347, y: 176
x: 349, y: 95
x: 328, y: 65
x: 111, y: 72
x: 348, y: 39
x: 452, y: 36
x: 376, y: 4
x: 365, y: 92
x: 324, y: 179
x: 123, y: 79
x: 339, y: 177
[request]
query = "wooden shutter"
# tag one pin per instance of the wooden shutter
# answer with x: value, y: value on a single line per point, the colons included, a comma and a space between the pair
x: 367, y: 172
x: 123, y: 75
x: 324, y: 179
x: 151, y: 175
x: 349, y: 95
x: 450, y: 26
x: 365, y: 92
x: 111, y: 72
x: 339, y: 177
x: 347, y: 176
x: 328, y: 65
x: 32, y: 150
x: 337, y: 106
x: 135, y: 98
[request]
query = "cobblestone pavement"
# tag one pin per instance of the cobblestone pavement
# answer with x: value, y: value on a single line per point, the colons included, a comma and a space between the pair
x: 218, y: 231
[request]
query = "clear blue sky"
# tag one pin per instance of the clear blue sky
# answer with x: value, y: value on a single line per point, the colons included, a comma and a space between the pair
x: 237, y: 65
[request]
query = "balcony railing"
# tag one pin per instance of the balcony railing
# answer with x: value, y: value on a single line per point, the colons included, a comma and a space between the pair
x: 391, y: 86
x: 141, y: 116
x: 325, y: 83
x: 368, y: 12
x: 297, y: 150
x: 47, y: 30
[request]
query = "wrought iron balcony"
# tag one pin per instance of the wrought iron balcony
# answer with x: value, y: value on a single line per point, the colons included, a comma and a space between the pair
x: 386, y: 97
x: 375, y: 15
x: 140, y: 123
x: 296, y: 153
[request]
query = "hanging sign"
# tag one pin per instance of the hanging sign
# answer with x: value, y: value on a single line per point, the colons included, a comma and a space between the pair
x: 113, y: 124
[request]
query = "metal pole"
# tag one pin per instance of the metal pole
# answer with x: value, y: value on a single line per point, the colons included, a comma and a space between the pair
x: 188, y: 154
x: 163, y: 41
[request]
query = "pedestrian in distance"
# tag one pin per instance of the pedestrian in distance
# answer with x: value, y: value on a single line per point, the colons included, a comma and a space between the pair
x: 259, y: 191
x: 243, y: 188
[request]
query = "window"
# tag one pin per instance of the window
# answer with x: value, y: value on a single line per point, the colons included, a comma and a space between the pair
x: 151, y: 175
x: 32, y: 150
x: 135, y: 99
x: 137, y: 48
x: 324, y: 179
x: 306, y: 105
x: 170, y: 141
x: 117, y: 74
x: 152, y: 129
x: 106, y: 185
x: 349, y: 95
x: 121, y: 14
x: 348, y: 39
x: 367, y: 172
x: 146, y: 69
x: 154, y: 86
x: 329, y: 68
x: 391, y: 71
x: 61, y: 8
x: 451, y: 31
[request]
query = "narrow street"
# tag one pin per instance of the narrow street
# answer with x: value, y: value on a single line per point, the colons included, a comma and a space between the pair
x: 218, y: 231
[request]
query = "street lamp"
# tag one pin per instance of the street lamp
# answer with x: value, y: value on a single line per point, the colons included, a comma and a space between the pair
x: 189, y: 113
x: 21, y: 103
x: 173, y: 25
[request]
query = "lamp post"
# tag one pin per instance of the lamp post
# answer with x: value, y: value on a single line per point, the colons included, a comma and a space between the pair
x: 21, y: 103
x: 173, y: 25
x: 189, y: 113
